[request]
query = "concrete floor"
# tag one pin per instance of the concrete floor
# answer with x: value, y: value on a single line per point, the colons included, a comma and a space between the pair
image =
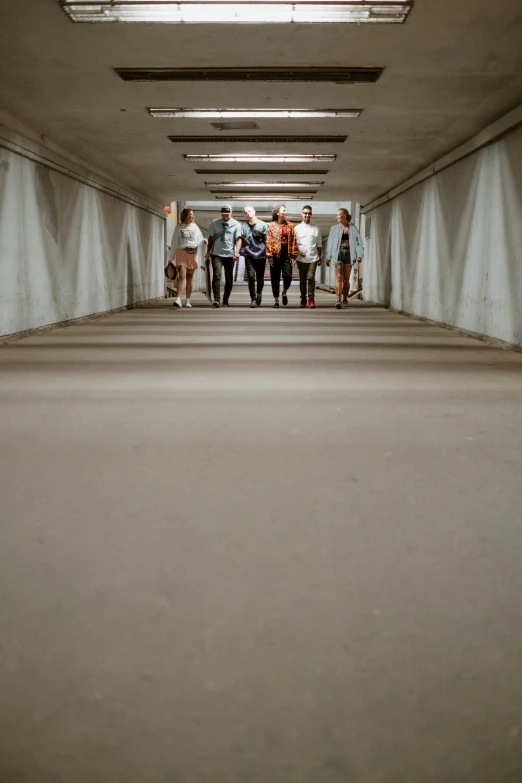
x: 260, y: 547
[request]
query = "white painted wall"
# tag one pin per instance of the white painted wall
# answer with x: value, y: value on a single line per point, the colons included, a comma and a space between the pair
x: 68, y: 249
x: 450, y: 248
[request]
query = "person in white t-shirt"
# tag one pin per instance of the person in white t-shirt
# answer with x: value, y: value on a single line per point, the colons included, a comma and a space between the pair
x: 309, y: 247
x: 186, y: 239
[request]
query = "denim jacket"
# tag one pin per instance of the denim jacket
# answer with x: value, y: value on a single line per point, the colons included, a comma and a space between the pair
x: 334, y: 243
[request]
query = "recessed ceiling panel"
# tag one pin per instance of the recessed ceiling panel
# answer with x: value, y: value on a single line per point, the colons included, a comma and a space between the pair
x: 336, y: 75
x: 261, y: 139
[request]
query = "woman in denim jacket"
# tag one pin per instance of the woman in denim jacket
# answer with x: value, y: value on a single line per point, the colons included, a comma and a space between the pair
x: 344, y: 248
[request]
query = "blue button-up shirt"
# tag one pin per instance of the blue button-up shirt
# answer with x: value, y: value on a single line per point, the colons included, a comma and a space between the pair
x: 225, y: 234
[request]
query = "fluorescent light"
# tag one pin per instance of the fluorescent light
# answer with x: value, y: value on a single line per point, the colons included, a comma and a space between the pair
x: 268, y: 195
x: 216, y: 11
x: 272, y: 197
x: 265, y: 185
x: 254, y: 113
x: 261, y: 158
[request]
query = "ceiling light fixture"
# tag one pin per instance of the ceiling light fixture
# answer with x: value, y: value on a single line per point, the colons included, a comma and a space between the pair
x: 274, y: 185
x: 268, y: 193
x: 250, y: 172
x: 223, y: 158
x: 216, y: 11
x: 254, y: 113
x: 267, y: 198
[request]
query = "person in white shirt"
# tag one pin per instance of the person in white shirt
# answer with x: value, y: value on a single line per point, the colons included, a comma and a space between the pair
x: 309, y: 247
x: 186, y: 239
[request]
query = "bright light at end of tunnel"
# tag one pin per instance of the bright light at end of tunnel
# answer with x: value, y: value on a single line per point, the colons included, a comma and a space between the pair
x: 216, y: 11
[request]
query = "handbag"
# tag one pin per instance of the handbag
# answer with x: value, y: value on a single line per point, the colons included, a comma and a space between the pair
x: 170, y: 271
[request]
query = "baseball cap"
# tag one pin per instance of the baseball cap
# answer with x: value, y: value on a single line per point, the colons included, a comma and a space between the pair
x: 226, y: 208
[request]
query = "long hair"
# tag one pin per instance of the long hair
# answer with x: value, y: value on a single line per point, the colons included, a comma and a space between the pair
x: 346, y: 214
x: 275, y: 212
x: 184, y: 215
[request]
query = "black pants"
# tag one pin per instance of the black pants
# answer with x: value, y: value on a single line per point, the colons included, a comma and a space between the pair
x: 255, y: 269
x: 281, y: 264
x: 218, y: 262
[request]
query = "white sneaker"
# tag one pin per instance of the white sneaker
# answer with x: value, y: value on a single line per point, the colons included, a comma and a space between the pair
x: 187, y: 303
x: 177, y: 302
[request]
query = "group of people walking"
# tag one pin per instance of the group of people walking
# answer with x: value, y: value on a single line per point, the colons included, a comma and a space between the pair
x: 279, y: 242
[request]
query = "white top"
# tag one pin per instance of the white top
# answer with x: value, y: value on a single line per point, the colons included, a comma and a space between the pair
x: 308, y: 239
x: 185, y: 235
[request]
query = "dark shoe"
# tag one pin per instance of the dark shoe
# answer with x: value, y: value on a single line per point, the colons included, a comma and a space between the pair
x: 276, y: 304
x: 303, y: 303
x: 338, y: 304
x: 345, y: 303
x: 258, y: 300
x: 216, y: 303
x: 285, y: 300
x: 253, y: 303
x: 225, y: 304
x: 311, y: 302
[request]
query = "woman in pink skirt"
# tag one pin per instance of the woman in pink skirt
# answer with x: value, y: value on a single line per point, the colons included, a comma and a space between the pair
x: 185, y: 242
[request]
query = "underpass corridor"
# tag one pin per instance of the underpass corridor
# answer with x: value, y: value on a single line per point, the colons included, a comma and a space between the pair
x: 263, y: 546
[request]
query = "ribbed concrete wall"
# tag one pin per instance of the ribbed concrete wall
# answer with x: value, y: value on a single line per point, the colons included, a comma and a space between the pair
x: 69, y: 250
x: 450, y: 248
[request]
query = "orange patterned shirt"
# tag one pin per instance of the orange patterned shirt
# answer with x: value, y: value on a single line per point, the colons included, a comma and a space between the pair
x: 273, y: 239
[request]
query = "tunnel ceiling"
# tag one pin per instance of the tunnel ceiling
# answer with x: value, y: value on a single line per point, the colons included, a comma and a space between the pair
x: 450, y: 70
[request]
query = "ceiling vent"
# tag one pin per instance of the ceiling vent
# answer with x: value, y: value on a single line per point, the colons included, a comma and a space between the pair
x: 301, y: 74
x: 258, y: 139
x: 264, y: 172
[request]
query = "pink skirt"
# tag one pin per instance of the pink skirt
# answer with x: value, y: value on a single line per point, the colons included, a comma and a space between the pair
x: 186, y: 259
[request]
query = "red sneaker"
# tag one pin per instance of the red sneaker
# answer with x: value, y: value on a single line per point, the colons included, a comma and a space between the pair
x: 311, y: 301
x: 303, y: 303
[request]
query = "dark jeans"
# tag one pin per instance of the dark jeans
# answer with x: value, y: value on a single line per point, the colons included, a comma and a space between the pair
x: 255, y: 269
x: 218, y: 262
x: 307, y: 278
x: 281, y: 264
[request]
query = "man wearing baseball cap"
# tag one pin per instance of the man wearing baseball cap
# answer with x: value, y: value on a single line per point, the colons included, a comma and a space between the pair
x: 224, y: 243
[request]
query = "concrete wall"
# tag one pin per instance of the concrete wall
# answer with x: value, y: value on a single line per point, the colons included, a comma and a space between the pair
x: 69, y: 249
x: 450, y: 248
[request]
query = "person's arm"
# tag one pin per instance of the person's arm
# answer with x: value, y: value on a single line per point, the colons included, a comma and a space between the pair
x: 241, y: 239
x: 200, y: 238
x: 359, y: 245
x: 174, y: 243
x: 210, y: 241
x: 292, y: 245
x: 238, y: 247
x: 269, y: 245
x: 329, y: 247
x: 299, y: 252
x: 319, y: 246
